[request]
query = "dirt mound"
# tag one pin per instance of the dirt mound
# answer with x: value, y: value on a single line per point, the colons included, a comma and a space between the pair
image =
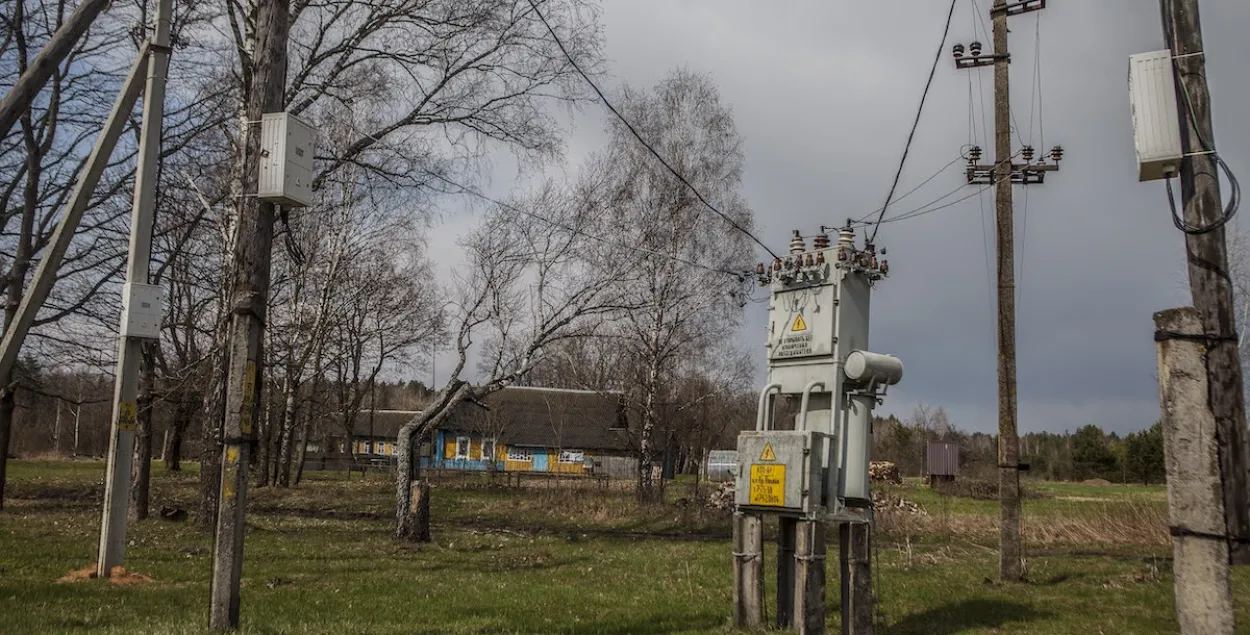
x: 1099, y: 482
x: 117, y: 575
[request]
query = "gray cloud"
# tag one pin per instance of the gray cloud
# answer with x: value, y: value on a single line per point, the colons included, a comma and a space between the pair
x: 823, y: 94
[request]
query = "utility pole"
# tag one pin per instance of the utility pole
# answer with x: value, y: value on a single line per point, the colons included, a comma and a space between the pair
x: 1208, y: 269
x: 249, y: 296
x: 130, y: 350
x: 1003, y: 174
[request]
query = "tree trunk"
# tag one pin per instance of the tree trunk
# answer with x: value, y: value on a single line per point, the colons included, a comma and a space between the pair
x: 301, y: 449
x: 141, y: 484
x: 289, y: 422
x: 17, y: 278
x: 210, y: 453
x: 406, y: 472
x: 181, y: 421
x: 646, y: 484
x: 265, y: 445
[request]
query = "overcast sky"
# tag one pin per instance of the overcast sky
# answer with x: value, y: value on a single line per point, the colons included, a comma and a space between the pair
x: 823, y: 94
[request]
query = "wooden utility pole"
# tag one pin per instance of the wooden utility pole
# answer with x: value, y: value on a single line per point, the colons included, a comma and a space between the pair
x: 253, y: 243
x: 1009, y: 565
x: 1204, y: 599
x: 1004, y: 173
x: 1208, y: 269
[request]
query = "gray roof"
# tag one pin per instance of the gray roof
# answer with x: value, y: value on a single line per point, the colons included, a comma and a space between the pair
x: 521, y: 415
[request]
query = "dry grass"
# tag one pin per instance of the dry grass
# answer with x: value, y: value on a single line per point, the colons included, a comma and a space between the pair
x: 1114, y: 524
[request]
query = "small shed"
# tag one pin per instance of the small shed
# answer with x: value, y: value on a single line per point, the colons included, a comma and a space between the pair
x: 722, y: 465
x: 941, y: 461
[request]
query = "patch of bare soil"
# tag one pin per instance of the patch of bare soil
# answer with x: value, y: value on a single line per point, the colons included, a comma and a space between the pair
x: 117, y: 575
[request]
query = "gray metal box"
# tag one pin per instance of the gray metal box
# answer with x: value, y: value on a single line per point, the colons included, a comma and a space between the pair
x: 142, y: 310
x: 777, y: 473
x: 286, y: 164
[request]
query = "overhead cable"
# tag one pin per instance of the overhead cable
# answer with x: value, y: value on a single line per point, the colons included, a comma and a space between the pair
x: 604, y: 99
x: 916, y: 123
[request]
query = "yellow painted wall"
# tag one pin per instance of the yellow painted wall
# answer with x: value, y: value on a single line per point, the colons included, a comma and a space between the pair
x: 475, y: 449
x: 449, y: 447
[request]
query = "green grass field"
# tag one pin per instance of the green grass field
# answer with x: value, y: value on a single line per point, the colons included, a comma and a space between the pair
x: 320, y: 559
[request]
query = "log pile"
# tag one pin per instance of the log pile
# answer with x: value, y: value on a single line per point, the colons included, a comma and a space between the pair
x: 884, y: 472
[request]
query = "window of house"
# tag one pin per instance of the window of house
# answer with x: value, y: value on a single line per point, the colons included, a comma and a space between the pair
x: 488, y: 449
x: 572, y: 456
x: 520, y: 454
x: 462, y: 447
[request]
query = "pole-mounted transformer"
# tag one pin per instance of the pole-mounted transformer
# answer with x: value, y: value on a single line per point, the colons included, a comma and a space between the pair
x: 816, y: 470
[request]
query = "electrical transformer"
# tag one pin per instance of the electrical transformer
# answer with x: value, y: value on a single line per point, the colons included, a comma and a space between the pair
x: 818, y: 355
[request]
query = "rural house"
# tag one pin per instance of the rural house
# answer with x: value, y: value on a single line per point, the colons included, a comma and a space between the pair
x: 516, y: 429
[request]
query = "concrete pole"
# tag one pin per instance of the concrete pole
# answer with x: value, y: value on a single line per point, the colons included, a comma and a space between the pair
x: 809, y: 577
x: 130, y: 351
x: 1008, y: 442
x: 748, y: 595
x: 855, y: 542
x: 1207, y: 253
x: 786, y: 535
x: 1204, y: 601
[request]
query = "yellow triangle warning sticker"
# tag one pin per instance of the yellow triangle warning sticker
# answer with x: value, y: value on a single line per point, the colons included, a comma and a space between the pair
x: 767, y: 454
x: 799, y: 324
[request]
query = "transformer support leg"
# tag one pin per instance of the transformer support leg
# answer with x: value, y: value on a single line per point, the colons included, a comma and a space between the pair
x: 856, y: 546
x: 786, y: 530
x: 809, y: 564
x: 748, y: 539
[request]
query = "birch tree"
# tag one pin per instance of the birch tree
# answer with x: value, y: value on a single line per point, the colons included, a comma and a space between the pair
x: 529, y: 282
x: 685, y: 308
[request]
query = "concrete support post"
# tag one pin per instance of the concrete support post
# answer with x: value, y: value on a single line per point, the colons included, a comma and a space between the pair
x: 786, y: 530
x: 748, y: 595
x: 1204, y: 601
x: 809, y: 577
x: 130, y: 350
x: 855, y: 541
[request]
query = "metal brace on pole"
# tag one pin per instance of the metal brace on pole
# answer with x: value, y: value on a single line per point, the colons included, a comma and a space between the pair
x: 71, y: 215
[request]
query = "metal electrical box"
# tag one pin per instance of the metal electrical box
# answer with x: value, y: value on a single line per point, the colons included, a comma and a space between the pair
x: 780, y: 471
x: 142, y: 310
x: 286, y: 160
x: 1156, y: 120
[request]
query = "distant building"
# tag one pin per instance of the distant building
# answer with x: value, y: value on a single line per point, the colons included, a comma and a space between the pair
x: 516, y: 429
x: 941, y: 461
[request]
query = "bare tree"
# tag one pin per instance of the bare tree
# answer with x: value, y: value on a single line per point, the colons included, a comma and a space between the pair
x: 685, y: 309
x: 528, y: 285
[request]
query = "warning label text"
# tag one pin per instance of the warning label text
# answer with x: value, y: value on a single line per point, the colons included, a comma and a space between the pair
x: 795, y: 346
x: 768, y: 485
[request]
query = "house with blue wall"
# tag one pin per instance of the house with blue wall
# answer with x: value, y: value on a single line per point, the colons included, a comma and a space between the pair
x: 516, y: 429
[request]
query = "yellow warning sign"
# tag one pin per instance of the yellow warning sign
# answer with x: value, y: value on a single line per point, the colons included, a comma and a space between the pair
x: 799, y: 324
x: 768, y: 485
x: 767, y: 454
x: 127, y: 416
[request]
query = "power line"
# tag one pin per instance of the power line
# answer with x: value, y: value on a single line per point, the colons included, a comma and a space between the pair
x: 914, y: 189
x: 922, y: 211
x: 573, y: 230
x: 915, y: 124
x: 603, y: 98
